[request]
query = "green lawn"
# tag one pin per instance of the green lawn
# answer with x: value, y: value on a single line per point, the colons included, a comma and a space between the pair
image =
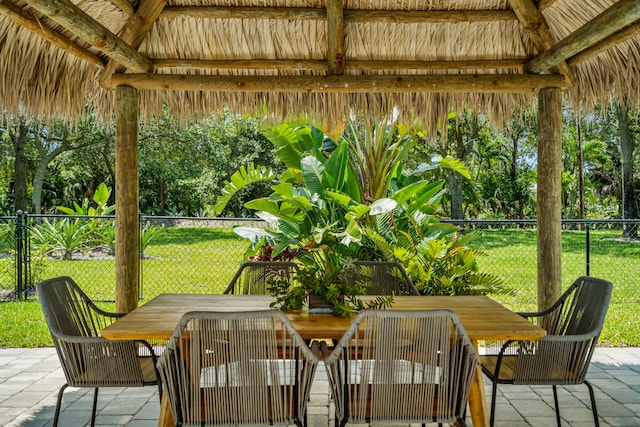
x: 203, y: 260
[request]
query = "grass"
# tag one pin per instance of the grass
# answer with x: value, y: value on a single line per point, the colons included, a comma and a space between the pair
x: 203, y: 260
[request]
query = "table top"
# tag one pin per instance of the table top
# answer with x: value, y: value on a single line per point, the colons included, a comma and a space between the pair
x: 483, y: 318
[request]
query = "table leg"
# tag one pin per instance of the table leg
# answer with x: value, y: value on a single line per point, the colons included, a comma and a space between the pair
x: 477, y: 398
x: 165, y: 419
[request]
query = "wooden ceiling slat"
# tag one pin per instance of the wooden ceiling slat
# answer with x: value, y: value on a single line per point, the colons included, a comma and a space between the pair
x: 215, y: 12
x: 461, y: 83
x: 75, y: 20
x: 484, y: 64
x: 25, y: 19
x: 134, y: 33
x: 318, y: 65
x: 400, y: 16
x: 243, y: 64
x: 618, y: 16
x: 432, y: 16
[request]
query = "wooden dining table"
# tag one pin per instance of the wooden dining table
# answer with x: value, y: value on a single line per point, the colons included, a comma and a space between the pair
x: 482, y: 318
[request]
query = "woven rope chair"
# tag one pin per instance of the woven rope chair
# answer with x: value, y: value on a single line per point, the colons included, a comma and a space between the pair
x: 385, y: 278
x: 87, y: 359
x: 237, y: 368
x: 401, y: 367
x: 562, y: 357
x: 253, y: 277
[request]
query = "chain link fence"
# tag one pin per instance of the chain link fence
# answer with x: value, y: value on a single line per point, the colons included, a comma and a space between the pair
x: 589, y: 247
x: 200, y: 255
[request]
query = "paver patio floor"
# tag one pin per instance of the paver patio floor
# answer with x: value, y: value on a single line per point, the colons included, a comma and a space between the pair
x: 30, y: 379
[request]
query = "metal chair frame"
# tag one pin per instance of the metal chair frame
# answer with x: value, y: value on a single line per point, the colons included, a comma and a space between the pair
x: 237, y: 368
x: 388, y: 277
x: 562, y: 357
x: 252, y: 277
x: 401, y: 367
x: 87, y: 359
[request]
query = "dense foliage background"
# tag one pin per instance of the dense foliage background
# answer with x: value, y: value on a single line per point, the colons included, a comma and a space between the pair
x: 183, y: 166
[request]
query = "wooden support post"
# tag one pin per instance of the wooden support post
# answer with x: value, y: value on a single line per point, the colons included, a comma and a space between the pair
x: 549, y: 198
x: 127, y: 232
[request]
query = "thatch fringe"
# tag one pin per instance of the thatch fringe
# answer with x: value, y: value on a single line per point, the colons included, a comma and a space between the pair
x: 40, y: 79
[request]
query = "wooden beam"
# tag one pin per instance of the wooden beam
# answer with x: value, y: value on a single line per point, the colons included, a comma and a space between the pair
x: 125, y: 6
x: 459, y: 83
x: 134, y: 33
x: 29, y: 22
x: 517, y: 64
x: 127, y: 230
x: 214, y: 12
x: 418, y: 17
x: 302, y: 13
x: 606, y: 44
x: 543, y: 4
x: 335, y: 36
x: 318, y: 65
x: 549, y: 197
x: 243, y: 64
x: 536, y: 27
x: 74, y: 19
x: 618, y: 16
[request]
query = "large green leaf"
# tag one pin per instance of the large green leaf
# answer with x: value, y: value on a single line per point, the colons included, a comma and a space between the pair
x: 243, y: 177
x: 420, y: 188
x: 263, y: 204
x: 101, y: 195
x: 455, y: 165
x: 425, y: 198
x: 382, y: 206
x: 312, y: 171
x: 289, y: 156
x: 284, y: 190
x: 251, y: 233
x: 340, y: 198
x: 336, y: 168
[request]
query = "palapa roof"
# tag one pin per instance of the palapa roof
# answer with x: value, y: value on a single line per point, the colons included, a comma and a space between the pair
x: 319, y: 57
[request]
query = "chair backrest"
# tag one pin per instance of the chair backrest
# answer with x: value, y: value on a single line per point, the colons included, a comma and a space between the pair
x: 402, y: 367
x: 385, y: 278
x: 68, y: 310
x: 254, y: 277
x: 573, y: 326
x: 238, y: 367
x: 75, y: 322
x: 580, y: 310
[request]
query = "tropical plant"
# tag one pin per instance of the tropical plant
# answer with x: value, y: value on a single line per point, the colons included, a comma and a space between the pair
x: 439, y: 265
x: 100, y: 197
x: 331, y: 192
x: 64, y: 235
x: 147, y: 234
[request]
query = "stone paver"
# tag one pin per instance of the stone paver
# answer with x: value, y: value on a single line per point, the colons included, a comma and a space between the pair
x: 30, y: 380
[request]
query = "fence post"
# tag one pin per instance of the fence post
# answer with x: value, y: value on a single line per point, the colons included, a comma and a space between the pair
x: 22, y: 255
x: 18, y: 243
x: 140, y: 256
x: 588, y: 248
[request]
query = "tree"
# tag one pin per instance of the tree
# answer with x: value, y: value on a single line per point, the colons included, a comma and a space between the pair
x: 17, y: 131
x: 627, y: 146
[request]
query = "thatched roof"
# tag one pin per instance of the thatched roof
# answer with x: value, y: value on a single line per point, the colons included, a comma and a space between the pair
x: 315, y: 56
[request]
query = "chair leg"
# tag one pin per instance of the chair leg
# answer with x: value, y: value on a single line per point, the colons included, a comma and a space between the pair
x: 594, y: 409
x: 93, y: 409
x: 555, y: 401
x: 494, y: 392
x: 58, y: 403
